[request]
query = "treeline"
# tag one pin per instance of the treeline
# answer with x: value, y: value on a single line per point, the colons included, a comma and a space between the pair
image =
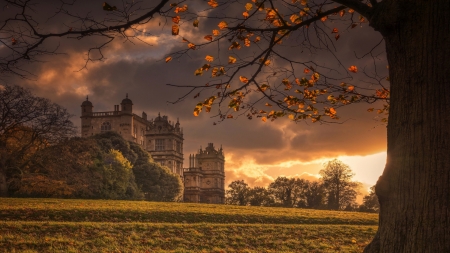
x: 334, y: 191
x: 104, y: 166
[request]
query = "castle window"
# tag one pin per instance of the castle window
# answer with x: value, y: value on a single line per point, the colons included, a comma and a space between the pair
x: 106, y: 126
x: 159, y: 145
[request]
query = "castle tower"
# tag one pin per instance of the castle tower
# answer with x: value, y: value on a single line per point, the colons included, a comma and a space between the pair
x: 204, y: 180
x: 164, y: 141
x: 86, y: 107
x: 127, y: 105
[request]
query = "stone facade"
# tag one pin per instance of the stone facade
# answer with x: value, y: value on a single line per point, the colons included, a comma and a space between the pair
x: 204, y: 180
x: 162, y: 138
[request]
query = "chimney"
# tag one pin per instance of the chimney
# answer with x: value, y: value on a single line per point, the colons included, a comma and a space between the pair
x: 144, y: 115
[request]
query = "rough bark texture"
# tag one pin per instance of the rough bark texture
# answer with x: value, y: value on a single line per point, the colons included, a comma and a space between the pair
x: 414, y: 190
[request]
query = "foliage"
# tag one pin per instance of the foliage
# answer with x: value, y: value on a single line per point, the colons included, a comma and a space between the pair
x: 237, y: 193
x: 289, y: 192
x: 102, y: 166
x: 27, y: 124
x: 340, y: 190
x: 370, y: 202
x: 260, y: 196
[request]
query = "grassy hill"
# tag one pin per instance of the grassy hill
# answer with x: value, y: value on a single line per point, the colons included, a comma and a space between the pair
x: 56, y: 225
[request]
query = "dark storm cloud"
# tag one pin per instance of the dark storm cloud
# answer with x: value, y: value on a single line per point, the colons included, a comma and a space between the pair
x: 139, y: 70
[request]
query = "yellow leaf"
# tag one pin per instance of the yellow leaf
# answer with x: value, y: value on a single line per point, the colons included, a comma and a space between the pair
x: 199, y: 72
x: 257, y: 39
x: 209, y: 58
x: 168, y: 59
x: 246, y: 42
x: 196, y: 112
x: 332, y: 110
x: 222, y: 25
x: 195, y: 23
x: 248, y: 6
x: 231, y: 60
x: 243, y: 79
x: 295, y: 19
x: 291, y: 116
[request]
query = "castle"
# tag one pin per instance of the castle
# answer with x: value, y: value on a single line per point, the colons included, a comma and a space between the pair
x: 204, y: 180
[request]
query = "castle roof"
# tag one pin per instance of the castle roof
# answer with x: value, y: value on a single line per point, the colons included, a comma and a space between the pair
x: 87, y: 102
x: 127, y: 100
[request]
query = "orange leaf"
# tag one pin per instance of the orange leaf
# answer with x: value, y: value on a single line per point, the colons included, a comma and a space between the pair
x: 209, y: 58
x: 213, y: 3
x: 351, y: 11
x: 176, y: 19
x: 342, y: 13
x: 323, y: 19
x: 335, y: 30
x: 208, y: 37
x: 245, y: 14
x: 222, y: 25
x: 216, y: 32
x: 306, y: 71
x: 168, y: 59
x: 229, y: 116
x: 264, y: 119
x: 353, y: 69
x: 175, y: 30
x: 243, y: 79
x: 191, y: 46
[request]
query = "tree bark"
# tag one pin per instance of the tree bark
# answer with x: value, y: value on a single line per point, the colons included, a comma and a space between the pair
x: 414, y: 190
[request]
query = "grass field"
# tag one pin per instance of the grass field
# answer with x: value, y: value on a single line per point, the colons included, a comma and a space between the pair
x: 56, y: 225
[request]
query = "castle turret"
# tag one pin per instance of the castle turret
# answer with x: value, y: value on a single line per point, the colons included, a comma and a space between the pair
x: 127, y: 105
x: 86, y: 107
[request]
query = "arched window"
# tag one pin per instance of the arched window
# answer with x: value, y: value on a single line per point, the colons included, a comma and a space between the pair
x: 106, y: 126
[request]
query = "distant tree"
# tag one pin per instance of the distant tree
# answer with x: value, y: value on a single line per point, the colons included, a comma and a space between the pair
x: 370, y: 202
x: 260, y: 196
x: 339, y: 187
x: 289, y: 192
x: 238, y: 193
x: 27, y: 124
x: 315, y: 195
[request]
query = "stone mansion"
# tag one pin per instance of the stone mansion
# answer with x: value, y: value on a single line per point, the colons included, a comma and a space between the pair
x: 204, y: 179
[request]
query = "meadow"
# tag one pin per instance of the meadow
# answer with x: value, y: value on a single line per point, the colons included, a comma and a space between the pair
x: 60, y: 225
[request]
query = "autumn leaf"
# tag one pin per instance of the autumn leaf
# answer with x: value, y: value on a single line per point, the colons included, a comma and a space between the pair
x: 337, y: 36
x: 213, y: 3
x: 209, y: 58
x: 206, y: 67
x: 248, y: 6
x: 107, y: 7
x: 353, y: 69
x: 222, y: 25
x: 370, y: 110
x: 246, y: 42
x: 323, y: 19
x: 295, y: 19
x: 168, y: 59
x: 231, y: 60
x: 335, y: 30
x: 267, y: 104
x: 191, y: 46
x: 198, y: 72
x: 264, y: 119
x: 257, y: 39
x: 243, y: 79
x: 195, y: 23
x: 303, y: 2
x: 181, y: 9
x: 216, y: 32
x: 351, y: 11
x: 332, y: 111
x: 176, y: 19
x: 306, y: 71
x: 175, y: 30
x: 208, y: 37
x: 235, y: 45
x: 342, y: 13
x: 350, y: 88
x: 245, y: 14
x: 229, y: 116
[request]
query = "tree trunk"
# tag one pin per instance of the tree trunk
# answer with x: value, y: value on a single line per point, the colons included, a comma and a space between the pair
x: 3, y: 185
x: 414, y: 190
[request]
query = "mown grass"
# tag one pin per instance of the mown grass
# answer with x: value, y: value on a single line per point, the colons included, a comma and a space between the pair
x: 54, y: 225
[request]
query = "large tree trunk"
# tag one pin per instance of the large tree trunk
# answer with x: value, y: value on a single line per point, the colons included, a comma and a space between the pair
x: 414, y: 190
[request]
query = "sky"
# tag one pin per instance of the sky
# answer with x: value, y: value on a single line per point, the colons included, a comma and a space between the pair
x: 255, y: 151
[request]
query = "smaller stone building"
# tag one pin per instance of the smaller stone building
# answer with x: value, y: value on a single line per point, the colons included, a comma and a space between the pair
x: 204, y: 180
